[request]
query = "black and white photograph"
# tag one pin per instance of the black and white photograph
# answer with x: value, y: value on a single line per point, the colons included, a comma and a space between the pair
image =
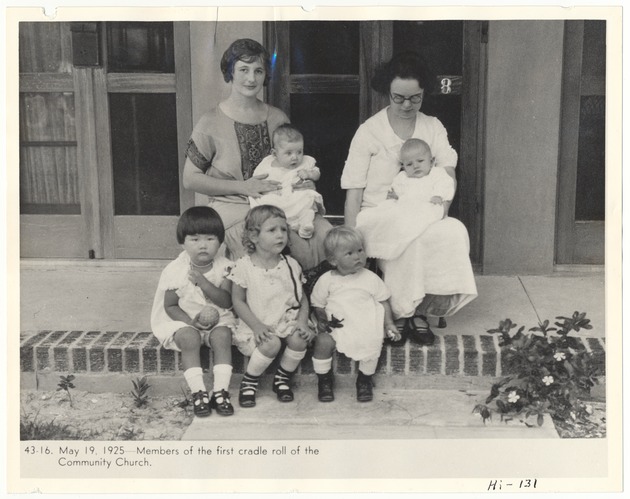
x: 219, y: 269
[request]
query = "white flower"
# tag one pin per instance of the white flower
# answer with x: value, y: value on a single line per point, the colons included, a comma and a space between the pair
x: 573, y: 415
x: 589, y: 409
x: 513, y: 397
x: 559, y: 356
x: 547, y: 380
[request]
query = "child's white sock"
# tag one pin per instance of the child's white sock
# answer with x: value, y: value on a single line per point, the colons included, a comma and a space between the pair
x: 291, y: 359
x: 322, y: 366
x: 258, y: 363
x: 194, y: 378
x: 368, y: 366
x: 222, y: 375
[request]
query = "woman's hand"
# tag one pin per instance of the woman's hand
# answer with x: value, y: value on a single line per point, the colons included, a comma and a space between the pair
x: 257, y: 185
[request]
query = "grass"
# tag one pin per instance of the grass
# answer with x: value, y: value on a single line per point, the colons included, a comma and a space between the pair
x: 31, y: 428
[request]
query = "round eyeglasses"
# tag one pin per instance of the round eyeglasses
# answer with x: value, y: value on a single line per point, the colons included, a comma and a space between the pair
x: 414, y: 99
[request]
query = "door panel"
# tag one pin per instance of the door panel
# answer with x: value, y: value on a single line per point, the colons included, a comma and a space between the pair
x: 51, y: 215
x: 581, y: 180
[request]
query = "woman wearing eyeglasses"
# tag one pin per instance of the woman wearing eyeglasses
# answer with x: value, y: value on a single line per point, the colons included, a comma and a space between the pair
x: 433, y: 275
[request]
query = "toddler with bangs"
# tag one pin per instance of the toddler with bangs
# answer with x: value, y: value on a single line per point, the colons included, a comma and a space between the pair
x: 192, y: 306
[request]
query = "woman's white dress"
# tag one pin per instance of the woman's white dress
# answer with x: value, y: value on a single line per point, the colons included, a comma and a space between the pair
x: 437, y: 262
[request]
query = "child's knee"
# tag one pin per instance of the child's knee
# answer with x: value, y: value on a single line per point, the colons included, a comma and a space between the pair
x: 220, y: 336
x: 188, y: 338
x: 324, y: 342
x: 296, y: 342
x: 271, y: 347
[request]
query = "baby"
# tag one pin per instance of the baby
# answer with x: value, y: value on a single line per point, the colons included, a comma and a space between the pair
x: 288, y: 165
x: 416, y: 199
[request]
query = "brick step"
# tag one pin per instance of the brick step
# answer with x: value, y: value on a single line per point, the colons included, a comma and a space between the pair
x: 116, y: 352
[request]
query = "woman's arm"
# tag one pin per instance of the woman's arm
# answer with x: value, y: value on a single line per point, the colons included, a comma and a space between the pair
x: 196, y: 180
x: 447, y: 204
x: 354, y: 197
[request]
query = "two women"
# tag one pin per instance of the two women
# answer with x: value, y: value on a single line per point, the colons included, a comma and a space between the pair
x: 433, y: 275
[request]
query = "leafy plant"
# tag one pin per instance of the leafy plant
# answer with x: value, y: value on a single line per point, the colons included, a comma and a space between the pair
x: 553, y: 373
x: 66, y: 384
x: 139, y: 392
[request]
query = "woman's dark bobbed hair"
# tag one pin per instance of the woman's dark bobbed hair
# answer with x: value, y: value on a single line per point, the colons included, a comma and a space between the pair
x: 246, y: 50
x: 406, y: 65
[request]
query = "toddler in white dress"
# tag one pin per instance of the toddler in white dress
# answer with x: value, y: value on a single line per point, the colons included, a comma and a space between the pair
x: 270, y: 303
x: 190, y: 284
x: 288, y: 165
x: 416, y: 200
x: 353, y: 313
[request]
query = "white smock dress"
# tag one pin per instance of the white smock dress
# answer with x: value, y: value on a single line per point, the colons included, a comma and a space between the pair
x: 354, y: 299
x: 191, y: 297
x: 437, y: 262
x: 273, y: 295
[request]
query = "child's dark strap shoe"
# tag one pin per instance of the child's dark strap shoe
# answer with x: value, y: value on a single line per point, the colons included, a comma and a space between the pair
x: 220, y: 402
x: 247, y: 391
x: 281, y: 385
x: 201, y: 404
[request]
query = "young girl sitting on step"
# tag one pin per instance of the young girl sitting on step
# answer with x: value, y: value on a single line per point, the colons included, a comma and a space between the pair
x: 192, y: 306
x: 269, y: 301
x: 353, y: 313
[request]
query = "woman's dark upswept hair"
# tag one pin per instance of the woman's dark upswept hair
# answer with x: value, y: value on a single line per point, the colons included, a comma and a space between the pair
x: 245, y: 50
x: 406, y: 65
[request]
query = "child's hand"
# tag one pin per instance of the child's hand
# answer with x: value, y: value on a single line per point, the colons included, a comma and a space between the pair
x: 391, y: 332
x: 262, y: 334
x: 303, y: 174
x: 436, y: 200
x: 322, y: 327
x: 196, y: 277
x: 199, y: 325
x: 391, y: 194
x: 304, y: 332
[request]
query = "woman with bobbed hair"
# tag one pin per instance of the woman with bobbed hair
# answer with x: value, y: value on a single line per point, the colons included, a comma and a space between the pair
x: 231, y: 139
x: 433, y: 275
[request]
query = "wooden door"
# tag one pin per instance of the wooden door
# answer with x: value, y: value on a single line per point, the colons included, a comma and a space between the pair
x: 105, y: 114
x: 321, y: 79
x: 581, y: 182
x: 53, y: 211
